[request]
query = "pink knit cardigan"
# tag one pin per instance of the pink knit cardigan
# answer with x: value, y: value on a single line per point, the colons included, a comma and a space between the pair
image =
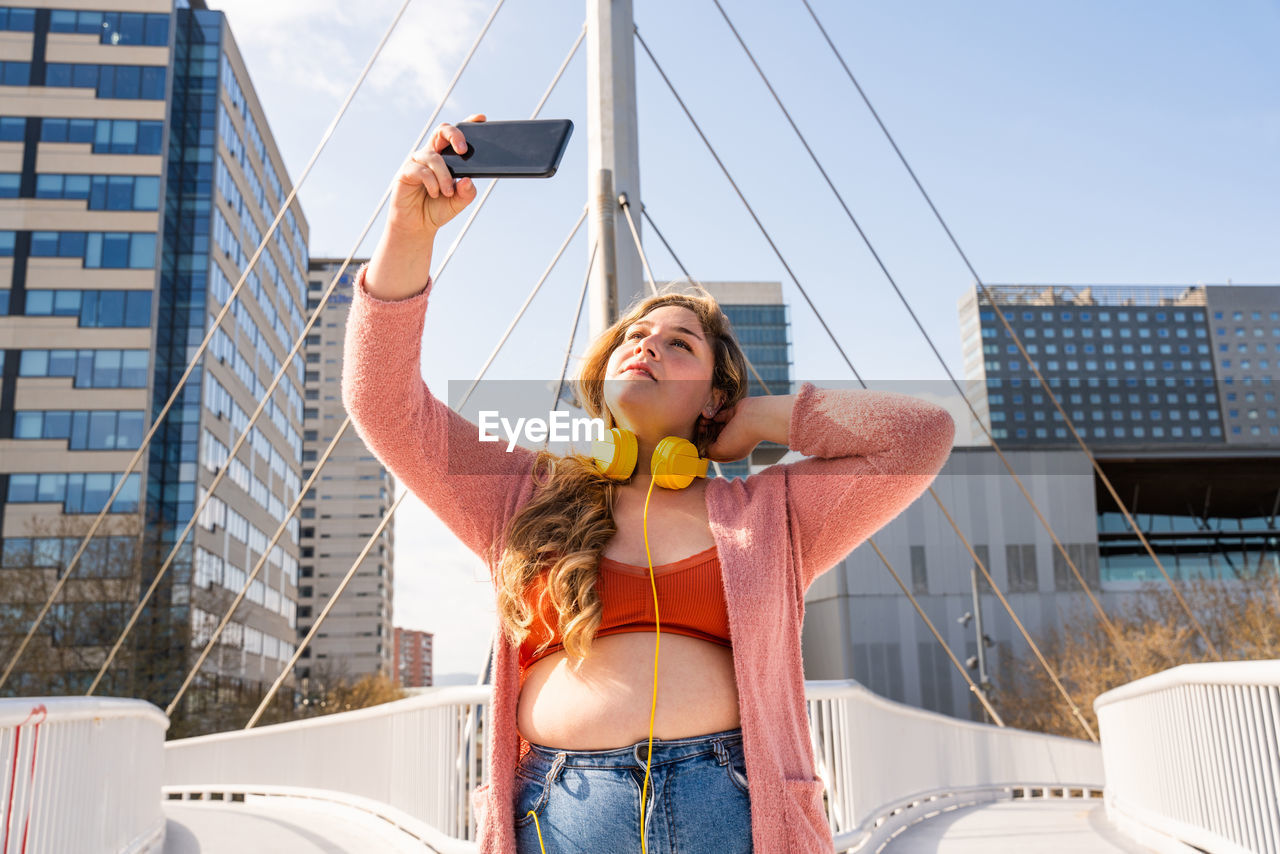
x: 869, y: 454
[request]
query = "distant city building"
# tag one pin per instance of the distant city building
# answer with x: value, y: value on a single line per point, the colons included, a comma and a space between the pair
x: 1171, y: 389
x: 413, y: 658
x: 859, y: 625
x: 340, y: 513
x: 137, y: 176
x: 759, y: 318
x: 1132, y: 365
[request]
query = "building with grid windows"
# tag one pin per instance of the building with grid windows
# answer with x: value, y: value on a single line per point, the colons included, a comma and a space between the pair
x: 1171, y: 387
x: 137, y: 177
x: 342, y: 510
x: 759, y: 317
x: 413, y: 663
x: 1172, y: 391
x: 1133, y: 366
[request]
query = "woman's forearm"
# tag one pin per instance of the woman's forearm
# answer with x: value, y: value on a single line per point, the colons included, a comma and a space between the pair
x: 771, y: 416
x: 399, y: 267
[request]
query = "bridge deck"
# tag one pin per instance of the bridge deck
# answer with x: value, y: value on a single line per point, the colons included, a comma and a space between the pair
x: 300, y: 826
x: 296, y: 825
x: 1045, y: 827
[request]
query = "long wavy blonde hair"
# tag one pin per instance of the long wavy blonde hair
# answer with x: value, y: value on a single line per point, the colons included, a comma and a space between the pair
x: 569, y: 519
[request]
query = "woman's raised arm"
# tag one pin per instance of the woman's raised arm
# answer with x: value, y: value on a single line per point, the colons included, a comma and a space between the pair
x: 473, y: 486
x: 869, y: 455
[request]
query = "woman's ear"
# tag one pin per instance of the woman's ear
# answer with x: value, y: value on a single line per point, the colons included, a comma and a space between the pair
x: 713, y: 405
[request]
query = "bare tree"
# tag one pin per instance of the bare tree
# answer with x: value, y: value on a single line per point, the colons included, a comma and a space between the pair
x: 1241, y: 617
x: 82, y: 624
x: 329, y: 688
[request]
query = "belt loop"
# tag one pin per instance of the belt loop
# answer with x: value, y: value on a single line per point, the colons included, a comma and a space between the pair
x: 722, y: 753
x: 556, y: 765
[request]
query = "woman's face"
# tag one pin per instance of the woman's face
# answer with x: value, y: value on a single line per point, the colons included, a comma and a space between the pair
x: 658, y: 380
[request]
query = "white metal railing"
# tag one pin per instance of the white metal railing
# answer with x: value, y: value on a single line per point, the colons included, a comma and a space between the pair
x: 413, y: 762
x: 887, y: 765
x: 80, y: 774
x: 416, y: 761
x: 1192, y: 757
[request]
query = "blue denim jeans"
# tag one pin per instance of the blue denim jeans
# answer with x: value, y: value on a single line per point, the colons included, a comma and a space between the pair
x: 697, y: 801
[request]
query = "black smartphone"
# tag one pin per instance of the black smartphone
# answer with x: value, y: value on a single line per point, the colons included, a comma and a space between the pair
x: 515, y: 149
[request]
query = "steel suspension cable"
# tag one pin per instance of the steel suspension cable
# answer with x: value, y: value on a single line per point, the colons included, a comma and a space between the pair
x: 97, y: 522
x: 520, y: 313
x: 342, y: 586
x: 283, y: 366
x: 320, y: 307
x: 635, y: 235
x: 1018, y: 341
x: 1116, y: 639
x: 244, y: 588
x: 973, y: 688
x: 573, y: 333
x: 1052, y: 675
x: 555, y: 403
x: 1075, y: 710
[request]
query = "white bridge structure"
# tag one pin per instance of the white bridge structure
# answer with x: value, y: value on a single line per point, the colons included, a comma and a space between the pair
x: 1189, y: 762
x: 1188, y: 759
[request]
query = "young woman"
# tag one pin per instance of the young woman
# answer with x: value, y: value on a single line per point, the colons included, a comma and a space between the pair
x: 723, y: 763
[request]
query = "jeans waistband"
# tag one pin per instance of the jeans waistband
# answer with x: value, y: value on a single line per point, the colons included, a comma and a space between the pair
x: 542, y: 758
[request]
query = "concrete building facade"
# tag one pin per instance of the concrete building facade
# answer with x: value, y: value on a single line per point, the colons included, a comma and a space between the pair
x: 343, y: 508
x: 414, y: 666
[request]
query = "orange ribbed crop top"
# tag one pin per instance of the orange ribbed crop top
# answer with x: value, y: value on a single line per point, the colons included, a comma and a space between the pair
x: 690, y: 598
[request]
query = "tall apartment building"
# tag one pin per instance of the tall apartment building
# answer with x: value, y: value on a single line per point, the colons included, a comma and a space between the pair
x: 759, y: 318
x: 137, y: 176
x: 414, y: 668
x: 341, y: 511
x: 1133, y: 366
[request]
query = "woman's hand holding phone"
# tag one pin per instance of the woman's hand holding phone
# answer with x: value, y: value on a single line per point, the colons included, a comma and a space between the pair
x: 424, y: 199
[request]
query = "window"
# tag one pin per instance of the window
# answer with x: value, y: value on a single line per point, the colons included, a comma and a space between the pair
x: 984, y: 558
x: 919, y: 571
x: 96, y: 430
x: 128, y: 82
x: 127, y: 28
x: 1085, y: 558
x: 78, y: 493
x: 107, y: 136
x: 1021, y: 562
x: 111, y: 250
x: 88, y: 368
x: 93, y: 308
x: 103, y: 192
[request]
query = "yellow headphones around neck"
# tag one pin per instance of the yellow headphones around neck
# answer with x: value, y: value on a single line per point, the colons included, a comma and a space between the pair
x: 674, y: 465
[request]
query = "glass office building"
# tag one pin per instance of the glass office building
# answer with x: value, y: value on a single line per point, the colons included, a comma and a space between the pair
x: 137, y: 177
x: 760, y: 320
x: 1171, y: 389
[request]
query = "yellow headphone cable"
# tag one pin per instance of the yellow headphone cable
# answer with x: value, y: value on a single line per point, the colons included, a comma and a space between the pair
x: 675, y: 465
x: 644, y: 845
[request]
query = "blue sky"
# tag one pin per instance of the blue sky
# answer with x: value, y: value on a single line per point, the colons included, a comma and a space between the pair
x: 1074, y: 143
